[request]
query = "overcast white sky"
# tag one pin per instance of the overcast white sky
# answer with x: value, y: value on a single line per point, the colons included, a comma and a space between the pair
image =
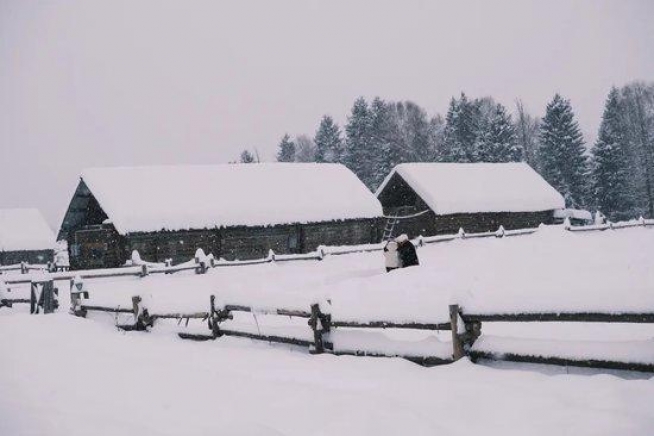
x: 90, y: 83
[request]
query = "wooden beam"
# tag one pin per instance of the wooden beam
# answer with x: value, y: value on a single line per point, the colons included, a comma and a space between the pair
x: 107, y: 309
x: 267, y: 338
x: 421, y: 360
x: 623, y: 317
x: 391, y: 325
x: 457, y: 343
x: 281, y: 312
x: 581, y: 363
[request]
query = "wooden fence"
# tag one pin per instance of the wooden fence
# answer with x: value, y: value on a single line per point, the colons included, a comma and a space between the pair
x: 465, y: 328
x: 543, y: 357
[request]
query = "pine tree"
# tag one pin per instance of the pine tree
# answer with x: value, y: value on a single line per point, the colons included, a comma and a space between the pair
x: 382, y: 150
x: 460, y: 131
x: 436, y: 137
x: 496, y: 141
x: 358, y: 153
x: 286, y: 150
x: 329, y: 144
x: 563, y: 163
x: 610, y: 172
x: 527, y: 128
x: 305, y: 149
x: 247, y: 157
x: 637, y: 99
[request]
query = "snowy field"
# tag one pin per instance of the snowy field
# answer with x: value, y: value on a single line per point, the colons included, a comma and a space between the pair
x: 61, y: 375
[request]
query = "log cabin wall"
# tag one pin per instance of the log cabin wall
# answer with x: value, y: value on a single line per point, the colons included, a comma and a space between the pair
x: 100, y: 246
x: 96, y: 246
x: 29, y: 256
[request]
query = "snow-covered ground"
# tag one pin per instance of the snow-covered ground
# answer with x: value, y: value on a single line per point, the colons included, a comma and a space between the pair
x: 65, y: 375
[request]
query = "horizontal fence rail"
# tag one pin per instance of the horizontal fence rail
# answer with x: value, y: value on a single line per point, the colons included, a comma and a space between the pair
x: 604, y: 317
x: 561, y: 361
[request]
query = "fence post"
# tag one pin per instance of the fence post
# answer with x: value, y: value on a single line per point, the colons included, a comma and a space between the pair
x: 34, y: 304
x: 319, y: 324
x: 200, y: 261
x: 566, y: 223
x: 49, y: 297
x: 141, y: 315
x: 77, y: 293
x: 457, y: 342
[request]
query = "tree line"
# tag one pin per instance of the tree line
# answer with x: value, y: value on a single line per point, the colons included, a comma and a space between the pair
x: 615, y: 175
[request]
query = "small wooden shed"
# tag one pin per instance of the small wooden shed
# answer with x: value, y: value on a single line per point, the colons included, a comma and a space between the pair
x: 25, y: 237
x: 478, y: 197
x: 235, y: 211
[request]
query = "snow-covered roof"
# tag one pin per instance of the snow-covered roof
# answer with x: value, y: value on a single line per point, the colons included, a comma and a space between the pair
x: 142, y: 199
x: 449, y: 188
x: 24, y: 229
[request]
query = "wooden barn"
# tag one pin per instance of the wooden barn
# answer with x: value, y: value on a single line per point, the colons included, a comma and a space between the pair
x: 441, y: 198
x: 235, y: 211
x: 25, y: 237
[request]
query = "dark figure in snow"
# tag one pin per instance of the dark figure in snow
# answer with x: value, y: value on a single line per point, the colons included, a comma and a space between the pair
x: 407, y: 252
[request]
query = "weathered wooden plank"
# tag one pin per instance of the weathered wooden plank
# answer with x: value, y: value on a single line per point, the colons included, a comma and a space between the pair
x: 16, y: 300
x: 421, y: 360
x: 281, y: 312
x: 196, y: 337
x: 457, y: 342
x: 267, y: 338
x: 391, y: 325
x: 107, y: 309
x: 582, y: 363
x: 195, y: 315
x: 620, y: 317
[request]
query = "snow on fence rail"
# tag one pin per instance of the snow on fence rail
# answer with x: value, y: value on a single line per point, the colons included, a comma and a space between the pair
x: 641, y: 222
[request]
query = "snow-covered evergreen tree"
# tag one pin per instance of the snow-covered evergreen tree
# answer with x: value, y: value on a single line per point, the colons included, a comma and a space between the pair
x: 460, y: 131
x: 328, y: 140
x: 286, y: 150
x: 359, y: 156
x: 638, y: 103
x: 436, y: 137
x: 382, y: 147
x: 305, y: 149
x: 496, y: 140
x: 561, y: 153
x: 527, y: 128
x: 611, y: 190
